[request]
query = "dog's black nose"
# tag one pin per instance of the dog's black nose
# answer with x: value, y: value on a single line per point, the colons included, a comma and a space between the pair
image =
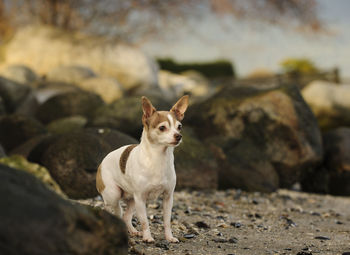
x: 178, y: 137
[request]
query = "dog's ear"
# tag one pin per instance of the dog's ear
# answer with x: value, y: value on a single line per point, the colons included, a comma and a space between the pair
x: 147, y: 107
x: 180, y: 107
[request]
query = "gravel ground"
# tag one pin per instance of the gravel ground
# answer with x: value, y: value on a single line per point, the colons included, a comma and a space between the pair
x: 235, y: 222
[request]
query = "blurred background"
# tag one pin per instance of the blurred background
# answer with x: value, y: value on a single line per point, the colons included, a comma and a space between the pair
x: 267, y: 79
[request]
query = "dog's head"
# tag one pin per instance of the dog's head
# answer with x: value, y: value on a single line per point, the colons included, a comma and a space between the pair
x: 164, y: 127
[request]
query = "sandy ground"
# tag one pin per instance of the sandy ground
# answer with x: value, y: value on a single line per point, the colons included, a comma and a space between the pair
x: 235, y: 222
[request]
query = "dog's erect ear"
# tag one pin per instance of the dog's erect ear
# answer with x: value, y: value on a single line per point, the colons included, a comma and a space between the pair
x: 180, y: 107
x: 147, y: 107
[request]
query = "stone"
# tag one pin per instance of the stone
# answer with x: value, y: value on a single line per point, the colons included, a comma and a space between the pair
x: 2, y: 152
x: 71, y: 74
x: 125, y: 115
x: 330, y: 102
x: 72, y: 160
x: 195, y: 164
x: 114, y: 138
x: 35, y: 220
x: 337, y: 160
x: 19, y: 73
x: 17, y: 129
x: 12, y: 94
x: 20, y: 163
x: 47, y: 48
x: 68, y: 104
x: 67, y: 125
x: 47, y: 90
x: 2, y: 107
x: 108, y: 89
x: 263, y: 138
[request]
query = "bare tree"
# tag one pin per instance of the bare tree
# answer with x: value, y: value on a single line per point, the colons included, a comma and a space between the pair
x: 130, y: 19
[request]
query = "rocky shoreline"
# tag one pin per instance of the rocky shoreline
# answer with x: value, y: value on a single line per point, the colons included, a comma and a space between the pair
x: 237, y: 222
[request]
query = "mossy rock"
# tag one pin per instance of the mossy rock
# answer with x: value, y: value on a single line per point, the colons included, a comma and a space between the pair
x: 66, y: 125
x: 125, y: 115
x: 195, y: 164
x: 35, y: 220
x: 269, y: 131
x: 68, y: 104
x: 72, y: 160
x: 19, y: 162
x: 17, y: 129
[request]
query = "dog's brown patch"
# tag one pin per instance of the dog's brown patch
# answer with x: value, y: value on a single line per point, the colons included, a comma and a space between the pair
x: 124, y: 157
x: 100, y: 186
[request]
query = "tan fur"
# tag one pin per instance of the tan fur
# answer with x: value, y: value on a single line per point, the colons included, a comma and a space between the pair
x: 100, y: 186
x: 124, y: 157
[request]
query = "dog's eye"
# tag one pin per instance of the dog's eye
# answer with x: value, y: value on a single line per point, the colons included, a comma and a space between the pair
x: 179, y: 127
x: 162, y: 128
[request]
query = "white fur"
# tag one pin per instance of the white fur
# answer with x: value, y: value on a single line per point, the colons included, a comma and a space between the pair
x: 149, y: 172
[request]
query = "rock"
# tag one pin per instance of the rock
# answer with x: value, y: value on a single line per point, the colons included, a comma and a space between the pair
x: 19, y: 73
x: 20, y: 163
x: 2, y: 107
x: 263, y: 138
x: 190, y: 82
x: 107, y: 88
x: 114, y: 138
x: 70, y: 74
x: 67, y: 125
x: 2, y: 152
x: 35, y: 220
x: 324, y: 238
x: 16, y: 129
x: 28, y: 106
x: 72, y: 160
x: 26, y: 148
x: 12, y: 94
x: 47, y: 90
x: 329, y: 102
x: 68, y: 104
x: 337, y: 160
x: 195, y: 164
x: 124, y: 115
x: 47, y: 48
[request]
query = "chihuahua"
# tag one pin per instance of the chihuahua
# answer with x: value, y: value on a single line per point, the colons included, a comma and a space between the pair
x: 138, y: 172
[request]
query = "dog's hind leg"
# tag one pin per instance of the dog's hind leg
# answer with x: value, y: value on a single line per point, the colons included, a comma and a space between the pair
x: 127, y: 217
x: 111, y: 197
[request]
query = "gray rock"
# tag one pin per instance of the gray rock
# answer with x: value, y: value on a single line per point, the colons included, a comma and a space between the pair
x: 19, y: 73
x: 12, y: 93
x: 263, y: 138
x: 17, y: 129
x: 47, y: 89
x: 35, y: 220
x: 72, y: 160
x: 68, y: 104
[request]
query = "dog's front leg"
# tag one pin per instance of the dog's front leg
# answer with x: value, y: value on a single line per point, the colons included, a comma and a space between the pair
x: 140, y: 206
x: 167, y: 206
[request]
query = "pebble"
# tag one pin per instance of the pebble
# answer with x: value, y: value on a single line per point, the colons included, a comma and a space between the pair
x: 346, y: 253
x: 304, y: 253
x: 163, y: 244
x: 189, y: 236
x: 202, y: 224
x: 322, y: 238
x: 236, y: 224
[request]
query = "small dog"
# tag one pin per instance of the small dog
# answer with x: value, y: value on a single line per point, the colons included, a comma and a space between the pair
x: 136, y: 173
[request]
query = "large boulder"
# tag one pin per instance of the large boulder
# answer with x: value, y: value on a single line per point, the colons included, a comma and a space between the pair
x: 70, y: 74
x: 17, y: 129
x: 19, y: 73
x: 196, y: 167
x: 330, y: 102
x: 264, y: 138
x: 35, y: 220
x: 46, y: 48
x: 67, y: 125
x: 46, y: 90
x: 125, y: 115
x: 20, y: 163
x: 337, y: 160
x: 68, y: 104
x: 72, y: 160
x: 108, y: 89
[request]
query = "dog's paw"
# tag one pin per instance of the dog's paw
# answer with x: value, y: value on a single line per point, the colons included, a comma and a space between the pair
x: 148, y: 239
x: 172, y: 239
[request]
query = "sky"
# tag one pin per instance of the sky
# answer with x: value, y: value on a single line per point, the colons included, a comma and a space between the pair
x: 252, y: 46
